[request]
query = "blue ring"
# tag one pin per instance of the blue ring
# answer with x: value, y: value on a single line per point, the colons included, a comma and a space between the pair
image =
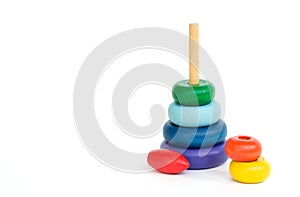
x: 194, y: 116
x: 195, y: 137
x: 201, y: 158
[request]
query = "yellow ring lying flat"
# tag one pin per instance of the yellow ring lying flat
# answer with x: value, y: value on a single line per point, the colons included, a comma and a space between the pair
x: 250, y: 172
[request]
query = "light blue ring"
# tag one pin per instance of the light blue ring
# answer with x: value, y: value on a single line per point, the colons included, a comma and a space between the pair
x: 194, y: 116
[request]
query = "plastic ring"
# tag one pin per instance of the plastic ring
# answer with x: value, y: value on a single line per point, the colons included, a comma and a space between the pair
x: 201, y: 158
x: 195, y: 137
x: 250, y: 172
x: 197, y: 116
x: 193, y: 95
x: 243, y: 148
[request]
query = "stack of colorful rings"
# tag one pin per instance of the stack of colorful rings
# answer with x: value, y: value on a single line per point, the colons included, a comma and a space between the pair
x: 195, y: 129
x: 247, y: 165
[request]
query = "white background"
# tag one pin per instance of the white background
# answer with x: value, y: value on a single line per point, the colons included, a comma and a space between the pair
x: 255, y: 46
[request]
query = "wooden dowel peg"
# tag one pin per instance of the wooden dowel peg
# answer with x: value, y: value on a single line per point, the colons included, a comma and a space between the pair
x: 193, y: 54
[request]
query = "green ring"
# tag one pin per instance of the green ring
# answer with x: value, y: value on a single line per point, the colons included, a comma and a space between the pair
x: 193, y: 95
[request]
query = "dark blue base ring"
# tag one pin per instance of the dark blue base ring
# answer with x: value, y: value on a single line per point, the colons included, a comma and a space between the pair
x: 201, y: 158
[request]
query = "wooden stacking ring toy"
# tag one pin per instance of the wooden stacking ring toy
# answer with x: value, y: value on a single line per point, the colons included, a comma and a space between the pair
x: 201, y: 158
x: 193, y: 95
x: 195, y: 130
x: 243, y: 148
x: 195, y: 137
